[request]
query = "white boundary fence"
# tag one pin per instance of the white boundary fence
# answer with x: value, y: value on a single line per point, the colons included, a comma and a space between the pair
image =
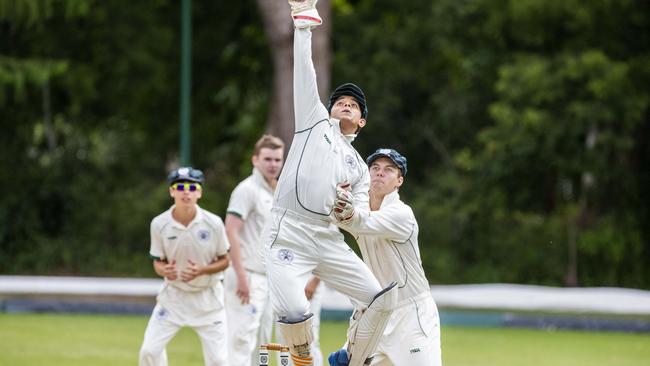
x: 481, y: 296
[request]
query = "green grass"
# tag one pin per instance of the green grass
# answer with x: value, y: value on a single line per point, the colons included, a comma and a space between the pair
x: 76, y: 340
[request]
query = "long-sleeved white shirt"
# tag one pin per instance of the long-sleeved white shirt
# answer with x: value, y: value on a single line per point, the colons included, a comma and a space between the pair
x: 388, y: 239
x: 320, y: 156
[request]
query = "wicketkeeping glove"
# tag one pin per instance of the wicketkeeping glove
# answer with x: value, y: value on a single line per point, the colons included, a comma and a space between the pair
x: 339, y: 358
x: 304, y: 13
x: 343, y: 204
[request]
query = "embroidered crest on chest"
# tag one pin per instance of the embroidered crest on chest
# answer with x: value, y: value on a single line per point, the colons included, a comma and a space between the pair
x: 204, y: 235
x: 349, y: 160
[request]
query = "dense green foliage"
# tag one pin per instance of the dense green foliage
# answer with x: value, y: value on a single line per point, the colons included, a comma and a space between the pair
x: 526, y: 124
x: 51, y: 339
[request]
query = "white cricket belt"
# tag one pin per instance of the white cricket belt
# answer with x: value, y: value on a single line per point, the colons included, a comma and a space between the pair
x: 323, y: 221
x: 413, y: 299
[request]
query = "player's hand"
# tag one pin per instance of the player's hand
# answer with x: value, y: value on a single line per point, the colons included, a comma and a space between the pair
x: 343, y: 204
x: 302, y: 5
x: 169, y: 270
x: 190, y: 272
x: 242, y: 289
x: 311, y: 287
x: 304, y: 13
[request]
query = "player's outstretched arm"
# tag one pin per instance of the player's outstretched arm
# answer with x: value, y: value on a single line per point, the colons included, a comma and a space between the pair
x: 308, y: 108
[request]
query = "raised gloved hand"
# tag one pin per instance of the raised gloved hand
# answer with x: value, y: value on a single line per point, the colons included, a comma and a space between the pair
x: 339, y: 358
x: 304, y: 13
x: 343, y: 203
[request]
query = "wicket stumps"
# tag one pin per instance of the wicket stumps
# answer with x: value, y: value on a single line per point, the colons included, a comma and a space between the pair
x: 264, y: 353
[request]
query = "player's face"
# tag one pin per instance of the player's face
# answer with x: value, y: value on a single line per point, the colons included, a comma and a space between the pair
x: 347, y: 110
x: 385, y: 176
x: 269, y: 162
x: 185, y: 193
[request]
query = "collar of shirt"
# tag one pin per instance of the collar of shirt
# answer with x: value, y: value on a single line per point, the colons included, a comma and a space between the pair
x: 390, y: 198
x: 259, y: 179
x: 337, y: 126
x: 197, y: 218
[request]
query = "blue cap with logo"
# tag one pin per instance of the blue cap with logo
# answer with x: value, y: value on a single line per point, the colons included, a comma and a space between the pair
x: 185, y: 174
x: 391, y: 154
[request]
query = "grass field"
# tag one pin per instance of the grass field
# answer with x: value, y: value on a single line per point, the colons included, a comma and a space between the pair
x: 76, y: 340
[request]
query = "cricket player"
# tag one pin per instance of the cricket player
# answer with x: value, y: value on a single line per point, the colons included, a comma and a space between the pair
x: 189, y: 248
x: 300, y: 237
x: 388, y: 239
x: 246, y: 283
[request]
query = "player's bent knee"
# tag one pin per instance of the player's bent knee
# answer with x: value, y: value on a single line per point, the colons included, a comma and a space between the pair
x: 386, y: 299
x: 148, y: 356
x: 297, y: 333
x: 367, y: 325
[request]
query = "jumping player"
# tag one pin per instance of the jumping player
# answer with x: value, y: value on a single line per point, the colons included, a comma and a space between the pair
x: 190, y: 250
x: 301, y: 239
x: 388, y: 239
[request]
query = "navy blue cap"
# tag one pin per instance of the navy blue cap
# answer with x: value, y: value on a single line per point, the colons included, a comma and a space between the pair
x: 185, y: 174
x: 393, y: 155
x: 350, y: 90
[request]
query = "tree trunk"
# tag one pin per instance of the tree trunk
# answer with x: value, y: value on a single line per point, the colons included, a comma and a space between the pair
x: 279, y: 31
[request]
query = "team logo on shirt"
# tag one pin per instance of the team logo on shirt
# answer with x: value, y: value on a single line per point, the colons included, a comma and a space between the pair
x: 285, y: 255
x: 204, y: 235
x: 161, y: 314
x: 350, y: 161
x: 415, y: 349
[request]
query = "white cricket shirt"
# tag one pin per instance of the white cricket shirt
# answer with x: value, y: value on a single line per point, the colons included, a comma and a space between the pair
x: 202, y: 241
x: 320, y: 157
x: 251, y: 201
x: 388, y: 239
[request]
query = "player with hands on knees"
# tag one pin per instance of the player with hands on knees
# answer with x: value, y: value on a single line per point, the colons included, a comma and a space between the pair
x: 388, y: 239
x: 190, y: 251
x: 301, y: 240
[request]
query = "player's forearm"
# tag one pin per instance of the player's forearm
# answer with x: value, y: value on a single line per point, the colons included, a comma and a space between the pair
x: 235, y: 254
x: 220, y: 264
x: 159, y: 267
x: 305, y: 88
x: 385, y: 223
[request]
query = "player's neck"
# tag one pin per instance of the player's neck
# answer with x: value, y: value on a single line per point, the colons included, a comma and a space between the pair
x: 375, y: 201
x: 184, y: 214
x: 271, y: 182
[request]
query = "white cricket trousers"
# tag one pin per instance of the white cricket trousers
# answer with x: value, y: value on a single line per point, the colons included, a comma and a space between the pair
x: 412, y: 336
x: 202, y: 311
x: 246, y: 320
x: 298, y: 246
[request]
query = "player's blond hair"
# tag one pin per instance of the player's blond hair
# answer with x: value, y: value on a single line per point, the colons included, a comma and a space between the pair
x: 269, y: 142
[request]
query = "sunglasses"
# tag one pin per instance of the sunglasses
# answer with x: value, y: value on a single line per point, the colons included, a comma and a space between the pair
x: 186, y: 187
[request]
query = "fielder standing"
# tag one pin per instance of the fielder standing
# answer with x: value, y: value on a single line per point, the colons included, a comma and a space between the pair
x: 301, y: 239
x: 246, y: 284
x: 388, y: 239
x: 190, y: 250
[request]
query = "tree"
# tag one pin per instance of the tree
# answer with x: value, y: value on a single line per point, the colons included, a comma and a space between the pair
x: 279, y: 32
